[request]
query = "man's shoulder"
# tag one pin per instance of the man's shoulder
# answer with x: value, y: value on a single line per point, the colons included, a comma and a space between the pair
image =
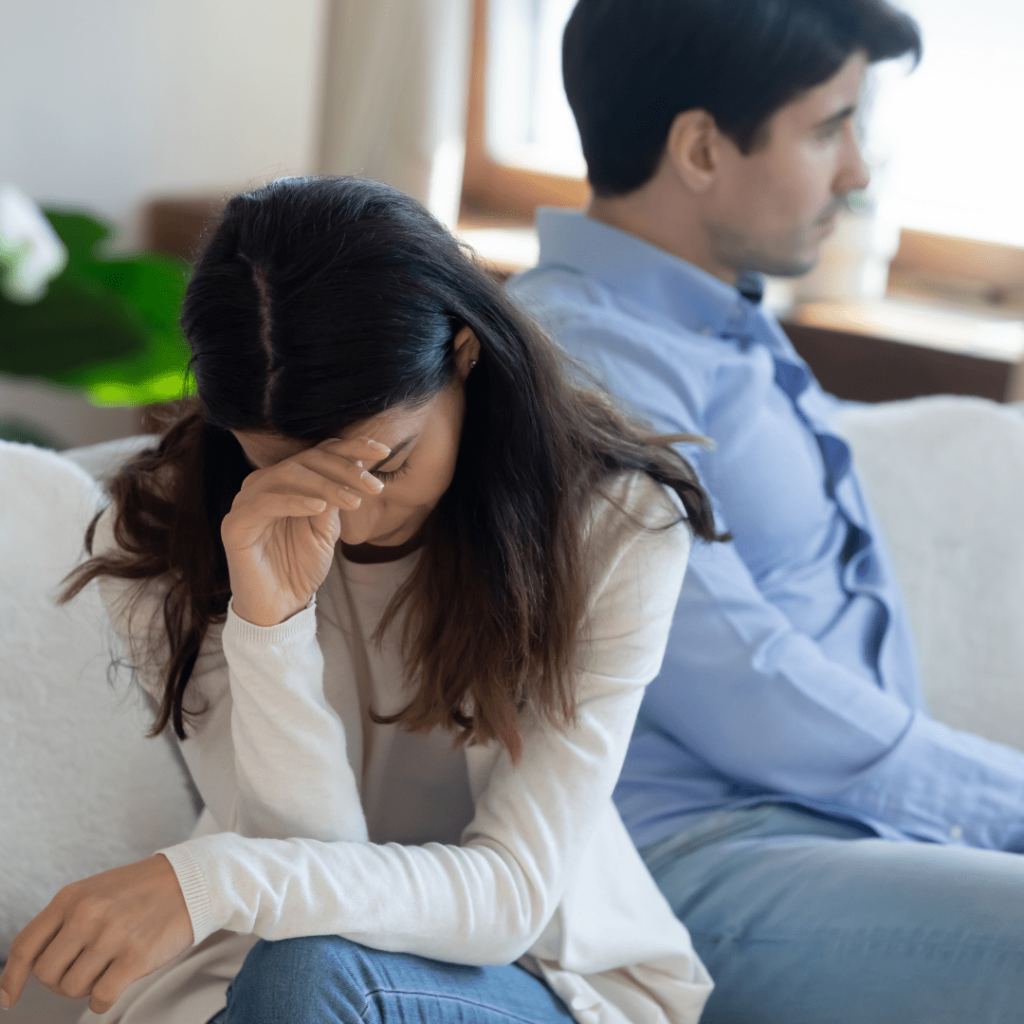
x: 581, y: 311
x: 553, y: 291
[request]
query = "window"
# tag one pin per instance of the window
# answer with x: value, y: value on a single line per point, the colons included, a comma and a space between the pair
x: 947, y: 139
x: 522, y: 150
x: 532, y: 126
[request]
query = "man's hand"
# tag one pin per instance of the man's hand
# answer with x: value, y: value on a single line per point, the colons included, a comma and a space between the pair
x: 99, y: 935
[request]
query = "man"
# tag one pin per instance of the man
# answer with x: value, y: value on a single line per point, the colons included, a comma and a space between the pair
x: 837, y: 855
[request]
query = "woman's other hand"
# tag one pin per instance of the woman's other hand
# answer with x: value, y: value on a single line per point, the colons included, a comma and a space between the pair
x: 285, y: 521
x: 99, y: 935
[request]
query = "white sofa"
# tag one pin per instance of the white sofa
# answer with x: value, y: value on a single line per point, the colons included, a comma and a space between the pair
x: 946, y: 476
x: 83, y: 790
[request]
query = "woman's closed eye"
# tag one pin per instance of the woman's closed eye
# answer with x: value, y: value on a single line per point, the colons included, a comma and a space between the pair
x: 385, y: 475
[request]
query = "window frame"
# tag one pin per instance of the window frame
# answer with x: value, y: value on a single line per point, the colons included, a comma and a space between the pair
x: 490, y: 188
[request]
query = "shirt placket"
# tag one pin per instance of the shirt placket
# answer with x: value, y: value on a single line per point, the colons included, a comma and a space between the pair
x: 862, y: 568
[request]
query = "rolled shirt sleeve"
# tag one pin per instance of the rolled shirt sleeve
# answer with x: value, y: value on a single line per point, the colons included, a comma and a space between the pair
x: 744, y: 696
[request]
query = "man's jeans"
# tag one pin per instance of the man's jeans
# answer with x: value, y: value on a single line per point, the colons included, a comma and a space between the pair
x: 803, y: 919
x: 329, y: 980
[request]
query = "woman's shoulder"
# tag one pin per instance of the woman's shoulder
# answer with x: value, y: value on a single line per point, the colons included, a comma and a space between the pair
x: 635, y: 497
x: 631, y: 508
x: 105, y: 545
x: 136, y: 610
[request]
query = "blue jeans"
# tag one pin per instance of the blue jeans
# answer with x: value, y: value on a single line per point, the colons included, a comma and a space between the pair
x: 329, y: 980
x: 803, y: 919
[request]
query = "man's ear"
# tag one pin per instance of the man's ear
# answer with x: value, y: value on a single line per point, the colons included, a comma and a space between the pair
x: 467, y: 352
x: 692, y: 149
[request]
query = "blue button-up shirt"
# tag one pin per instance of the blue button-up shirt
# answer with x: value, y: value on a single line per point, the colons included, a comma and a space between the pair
x: 790, y: 672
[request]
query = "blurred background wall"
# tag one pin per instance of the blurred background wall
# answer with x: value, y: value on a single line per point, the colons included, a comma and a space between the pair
x: 106, y: 103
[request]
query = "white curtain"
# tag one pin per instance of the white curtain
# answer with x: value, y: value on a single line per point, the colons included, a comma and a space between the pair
x: 395, y: 95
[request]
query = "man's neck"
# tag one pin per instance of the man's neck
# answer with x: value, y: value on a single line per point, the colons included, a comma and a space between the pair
x: 642, y: 214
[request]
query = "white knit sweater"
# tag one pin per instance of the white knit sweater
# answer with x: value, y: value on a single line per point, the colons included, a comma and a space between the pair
x: 320, y: 821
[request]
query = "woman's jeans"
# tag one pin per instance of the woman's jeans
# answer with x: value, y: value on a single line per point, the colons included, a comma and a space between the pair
x: 329, y: 980
x: 804, y: 919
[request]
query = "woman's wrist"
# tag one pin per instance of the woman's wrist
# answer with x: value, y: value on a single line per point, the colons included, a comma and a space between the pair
x: 265, y: 617
x: 300, y: 627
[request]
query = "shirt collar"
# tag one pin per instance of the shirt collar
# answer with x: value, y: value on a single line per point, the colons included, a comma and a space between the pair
x: 659, y: 281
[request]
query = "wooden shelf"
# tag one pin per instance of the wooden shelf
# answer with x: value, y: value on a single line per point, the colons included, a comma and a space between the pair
x: 888, y: 350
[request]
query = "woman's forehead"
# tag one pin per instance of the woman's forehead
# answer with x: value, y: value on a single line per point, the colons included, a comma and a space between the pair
x: 391, y: 428
x: 392, y: 425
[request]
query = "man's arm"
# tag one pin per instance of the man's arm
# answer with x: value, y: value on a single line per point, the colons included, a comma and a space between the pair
x: 743, y: 690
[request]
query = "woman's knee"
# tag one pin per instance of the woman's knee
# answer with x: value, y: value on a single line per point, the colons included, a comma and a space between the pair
x: 311, y: 978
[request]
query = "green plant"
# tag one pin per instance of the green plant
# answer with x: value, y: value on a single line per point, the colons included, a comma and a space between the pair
x: 106, y: 326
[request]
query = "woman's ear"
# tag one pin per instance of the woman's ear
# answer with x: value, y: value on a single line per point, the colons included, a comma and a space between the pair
x: 467, y: 352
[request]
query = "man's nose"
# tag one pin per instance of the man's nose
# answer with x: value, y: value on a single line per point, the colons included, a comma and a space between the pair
x: 852, y: 173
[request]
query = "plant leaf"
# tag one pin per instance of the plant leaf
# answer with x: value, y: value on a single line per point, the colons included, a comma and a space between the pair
x: 106, y: 326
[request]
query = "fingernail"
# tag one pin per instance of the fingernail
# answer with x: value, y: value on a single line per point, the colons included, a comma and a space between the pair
x: 377, y: 447
x: 5, y: 1000
x: 371, y: 481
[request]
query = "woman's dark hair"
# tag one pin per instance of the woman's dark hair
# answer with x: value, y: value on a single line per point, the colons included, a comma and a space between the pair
x: 317, y: 304
x: 631, y: 66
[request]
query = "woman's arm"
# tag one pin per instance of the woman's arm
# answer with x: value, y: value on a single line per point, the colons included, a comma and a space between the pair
x: 487, y: 900
x: 265, y: 749
x: 268, y: 754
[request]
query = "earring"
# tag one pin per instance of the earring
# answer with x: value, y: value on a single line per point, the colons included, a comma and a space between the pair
x: 472, y: 363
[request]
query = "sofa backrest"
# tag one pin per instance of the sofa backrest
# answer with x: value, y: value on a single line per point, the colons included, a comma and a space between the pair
x: 946, y: 477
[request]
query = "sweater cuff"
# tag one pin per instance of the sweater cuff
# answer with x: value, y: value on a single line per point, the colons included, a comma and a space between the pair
x: 193, y: 888
x: 301, y: 626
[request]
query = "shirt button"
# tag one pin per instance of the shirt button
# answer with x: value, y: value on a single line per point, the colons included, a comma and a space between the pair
x: 707, y: 332
x: 955, y: 832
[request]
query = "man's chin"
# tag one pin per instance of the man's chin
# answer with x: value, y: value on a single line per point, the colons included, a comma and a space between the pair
x: 785, y: 267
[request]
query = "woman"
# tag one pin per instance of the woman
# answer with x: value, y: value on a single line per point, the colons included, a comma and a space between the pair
x: 397, y: 586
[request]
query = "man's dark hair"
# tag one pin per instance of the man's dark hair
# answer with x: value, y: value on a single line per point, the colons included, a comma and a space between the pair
x: 631, y: 66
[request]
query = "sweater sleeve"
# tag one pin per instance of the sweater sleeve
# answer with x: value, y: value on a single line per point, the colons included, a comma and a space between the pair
x: 489, y: 898
x: 266, y: 751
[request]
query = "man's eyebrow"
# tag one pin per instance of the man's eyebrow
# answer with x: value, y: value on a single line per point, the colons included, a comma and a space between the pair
x: 836, y: 118
x: 397, y: 450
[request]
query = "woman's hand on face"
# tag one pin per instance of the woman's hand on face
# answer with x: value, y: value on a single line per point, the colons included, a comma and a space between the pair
x: 99, y: 935
x: 284, y: 522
